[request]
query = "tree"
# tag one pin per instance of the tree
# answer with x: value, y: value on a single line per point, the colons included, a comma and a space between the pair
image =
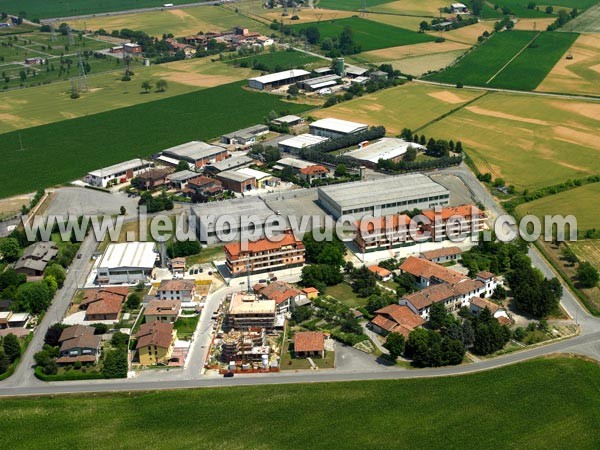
x: 549, y: 9
x: 57, y: 272
x: 439, y: 316
x: 119, y: 340
x: 183, y: 248
x: 161, y: 85
x: 4, y: 361
x: 313, y: 36
x: 458, y: 148
x: 9, y: 249
x: 133, y: 301
x: 453, y: 352
x: 53, y: 334
x: 146, y: 86
x: 301, y: 313
x: 411, y: 154
x: 33, y: 297
x: 394, y: 344
x: 587, y: 275
x: 115, y: 364
x: 293, y: 90
x: 341, y: 170
x: 569, y: 255
x: 182, y: 165
x: 11, y: 346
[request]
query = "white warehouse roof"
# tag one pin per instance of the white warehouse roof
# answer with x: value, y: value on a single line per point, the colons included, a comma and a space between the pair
x: 296, y: 163
x: 338, y: 125
x: 303, y: 140
x: 254, y: 173
x: 194, y: 150
x: 385, y: 148
x: 129, y: 254
x: 132, y: 164
x: 280, y: 76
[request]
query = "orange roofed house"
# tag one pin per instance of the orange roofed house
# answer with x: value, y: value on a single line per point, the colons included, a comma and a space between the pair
x: 396, y: 319
x: 460, y: 220
x: 380, y: 233
x: 265, y: 255
x: 309, y: 343
x: 155, y: 342
x: 285, y: 296
x: 104, y: 303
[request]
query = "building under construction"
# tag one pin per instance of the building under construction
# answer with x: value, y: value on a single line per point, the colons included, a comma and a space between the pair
x: 245, y: 346
x: 247, y: 311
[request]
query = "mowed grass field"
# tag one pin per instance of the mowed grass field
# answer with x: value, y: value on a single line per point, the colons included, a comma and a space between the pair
x: 579, y: 202
x: 179, y: 22
x: 588, y: 22
x: 579, y: 75
x: 422, y: 8
x: 63, y: 151
x: 281, y: 60
x: 529, y: 141
x: 408, y: 106
x: 369, y: 34
x: 587, y: 250
x: 540, y: 404
x: 347, y: 5
x: 55, y: 8
x: 492, y: 63
x: 50, y: 103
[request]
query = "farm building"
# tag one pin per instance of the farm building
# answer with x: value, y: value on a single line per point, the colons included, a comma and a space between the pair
x: 120, y: 173
x: 296, y: 144
x: 333, y: 128
x: 314, y: 84
x: 354, y: 71
x: 129, y: 262
x: 237, y: 182
x: 209, y: 227
x: 132, y: 48
x: 389, y: 149
x: 382, y: 197
x: 246, y: 136
x: 459, y: 8
x: 197, y: 153
x: 274, y: 80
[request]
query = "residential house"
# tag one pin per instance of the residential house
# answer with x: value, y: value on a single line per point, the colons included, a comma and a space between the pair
x: 285, y: 295
x: 427, y: 272
x: 201, y: 188
x: 155, y: 342
x: 490, y: 281
x: 153, y: 178
x: 10, y: 319
x: 383, y: 233
x: 105, y: 308
x: 178, y: 266
x: 188, y: 50
x: 265, y: 255
x: 79, y: 344
x: 308, y: 171
x: 35, y: 258
x: 442, y: 255
x: 311, y: 292
x: 381, y: 273
x: 309, y: 344
x: 162, y: 310
x: 396, y: 319
x: 454, y: 221
x: 183, y: 290
x: 479, y: 304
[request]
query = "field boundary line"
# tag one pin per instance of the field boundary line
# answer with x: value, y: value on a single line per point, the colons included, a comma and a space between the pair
x: 449, y: 113
x: 514, y: 57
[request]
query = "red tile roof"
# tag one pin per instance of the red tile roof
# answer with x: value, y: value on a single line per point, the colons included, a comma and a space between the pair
x: 309, y: 341
x: 441, y: 252
x: 446, y: 212
x: 263, y: 245
x: 93, y: 295
x: 485, y: 275
x: 277, y: 290
x: 402, y: 315
x: 310, y: 290
x: 110, y: 305
x: 380, y: 223
x: 431, y: 294
x: 155, y: 333
x: 314, y: 170
x: 423, y: 268
x: 176, y: 285
x: 483, y: 303
x: 163, y: 308
x: 382, y: 272
x: 74, y: 359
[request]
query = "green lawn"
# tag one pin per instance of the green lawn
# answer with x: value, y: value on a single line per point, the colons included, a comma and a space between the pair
x: 519, y: 7
x: 278, y: 61
x: 206, y: 255
x: 579, y: 202
x: 288, y: 362
x: 370, y: 35
x: 66, y: 150
x: 57, y: 8
x: 186, y: 326
x: 541, y: 404
x: 343, y: 292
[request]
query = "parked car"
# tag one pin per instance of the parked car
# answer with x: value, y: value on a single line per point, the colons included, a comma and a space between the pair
x: 228, y: 375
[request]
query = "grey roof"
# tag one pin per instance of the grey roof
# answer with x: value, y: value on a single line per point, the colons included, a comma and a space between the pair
x: 33, y: 264
x: 288, y: 119
x: 40, y: 250
x: 132, y: 164
x: 374, y: 192
x: 234, y: 208
x: 182, y: 175
x: 230, y: 163
x: 247, y: 132
x: 195, y: 150
x: 234, y: 175
x: 355, y: 70
x: 313, y: 82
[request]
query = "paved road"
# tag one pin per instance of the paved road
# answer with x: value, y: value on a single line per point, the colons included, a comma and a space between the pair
x: 24, y: 383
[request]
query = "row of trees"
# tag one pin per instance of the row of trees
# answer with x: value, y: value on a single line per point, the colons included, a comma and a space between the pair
x: 326, y: 259
x: 10, y: 350
x: 160, y: 202
x: 412, y: 166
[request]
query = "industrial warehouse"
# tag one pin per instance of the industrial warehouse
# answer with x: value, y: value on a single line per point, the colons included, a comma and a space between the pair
x: 394, y: 195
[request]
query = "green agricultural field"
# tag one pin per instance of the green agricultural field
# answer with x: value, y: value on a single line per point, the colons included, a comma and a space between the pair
x: 587, y: 250
x: 478, y: 66
x: 63, y: 151
x: 541, y: 404
x: 370, y: 35
x: 278, y: 61
x: 53, y: 8
x: 588, y: 22
x: 578, y: 202
x: 519, y: 7
x: 348, y: 5
x: 529, y: 141
x: 530, y: 68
